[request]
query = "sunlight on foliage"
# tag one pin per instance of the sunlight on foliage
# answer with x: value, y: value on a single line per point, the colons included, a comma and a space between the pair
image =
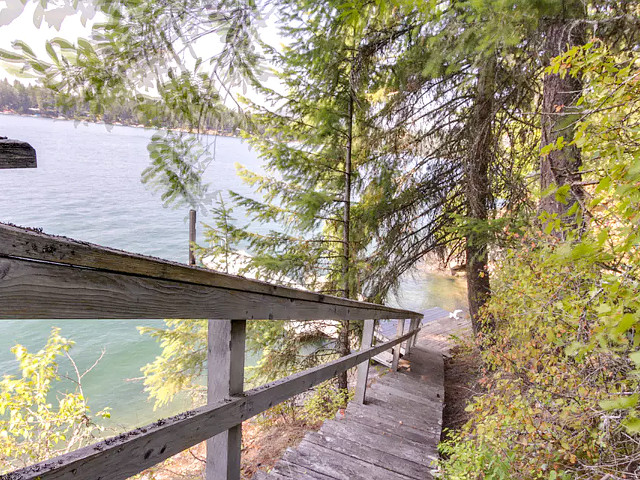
x: 36, y: 421
x: 561, y: 378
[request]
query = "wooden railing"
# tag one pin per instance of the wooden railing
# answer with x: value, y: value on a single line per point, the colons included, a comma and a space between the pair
x: 43, y: 276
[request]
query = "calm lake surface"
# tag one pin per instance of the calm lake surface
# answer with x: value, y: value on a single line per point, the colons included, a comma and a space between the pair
x: 87, y: 186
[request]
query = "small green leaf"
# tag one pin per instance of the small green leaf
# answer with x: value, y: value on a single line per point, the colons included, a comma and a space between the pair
x: 620, y: 403
x: 632, y: 424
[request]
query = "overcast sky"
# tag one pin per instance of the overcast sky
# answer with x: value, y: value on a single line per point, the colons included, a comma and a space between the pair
x: 36, y: 28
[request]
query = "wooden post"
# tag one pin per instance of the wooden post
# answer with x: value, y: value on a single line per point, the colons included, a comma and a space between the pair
x: 415, y: 337
x: 363, y: 368
x: 408, y: 344
x: 225, y: 368
x: 396, y: 349
x: 192, y: 235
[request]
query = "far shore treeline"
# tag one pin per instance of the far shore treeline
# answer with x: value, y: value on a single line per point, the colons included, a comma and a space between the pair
x: 18, y: 98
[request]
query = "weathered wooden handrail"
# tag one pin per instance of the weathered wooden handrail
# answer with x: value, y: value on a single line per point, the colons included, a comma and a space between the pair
x: 42, y: 276
x: 131, y: 452
x: 71, y: 279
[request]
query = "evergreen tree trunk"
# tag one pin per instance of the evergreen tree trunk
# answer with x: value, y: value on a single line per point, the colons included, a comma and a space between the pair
x: 478, y: 189
x: 343, y: 337
x: 559, y: 113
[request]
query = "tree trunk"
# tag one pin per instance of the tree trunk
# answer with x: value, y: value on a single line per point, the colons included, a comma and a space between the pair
x: 559, y: 113
x: 343, y: 337
x: 478, y: 190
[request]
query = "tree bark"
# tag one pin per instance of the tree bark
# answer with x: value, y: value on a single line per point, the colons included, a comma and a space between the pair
x: 343, y: 337
x: 559, y: 114
x: 478, y: 191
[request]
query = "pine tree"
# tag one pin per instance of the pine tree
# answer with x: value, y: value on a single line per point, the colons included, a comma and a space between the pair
x: 316, y: 152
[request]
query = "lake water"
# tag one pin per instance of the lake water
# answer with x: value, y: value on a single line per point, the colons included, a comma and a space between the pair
x: 87, y: 186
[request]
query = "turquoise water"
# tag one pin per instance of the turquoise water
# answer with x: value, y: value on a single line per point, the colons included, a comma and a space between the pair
x: 87, y: 186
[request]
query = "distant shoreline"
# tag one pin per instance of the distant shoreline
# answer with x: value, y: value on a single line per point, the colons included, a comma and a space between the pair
x: 212, y: 132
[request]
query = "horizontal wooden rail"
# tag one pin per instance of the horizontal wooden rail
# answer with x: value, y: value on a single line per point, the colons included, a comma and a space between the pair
x: 43, y: 276
x: 132, y: 452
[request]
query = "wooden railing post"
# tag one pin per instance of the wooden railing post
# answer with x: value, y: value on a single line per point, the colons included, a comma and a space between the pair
x: 225, y: 369
x: 414, y: 339
x: 409, y: 343
x: 363, y: 368
x: 192, y: 235
x: 396, y: 349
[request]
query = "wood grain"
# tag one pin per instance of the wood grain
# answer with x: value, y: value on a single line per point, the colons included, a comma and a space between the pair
x: 30, y: 290
x: 129, y: 453
x: 18, y: 242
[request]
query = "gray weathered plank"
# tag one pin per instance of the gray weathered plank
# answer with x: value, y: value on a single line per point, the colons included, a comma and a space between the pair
x: 129, y: 453
x: 287, y: 470
x: 396, y: 351
x: 418, y: 416
x: 44, y: 290
x: 16, y: 154
x: 429, y: 399
x: 368, y: 435
x: 225, y: 379
x: 363, y: 368
x: 17, y: 242
x: 376, y: 407
x: 376, y: 453
x: 410, y: 383
x: 391, y: 425
x: 338, y: 465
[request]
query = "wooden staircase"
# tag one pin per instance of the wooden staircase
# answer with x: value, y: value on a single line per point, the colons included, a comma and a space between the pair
x: 393, y: 436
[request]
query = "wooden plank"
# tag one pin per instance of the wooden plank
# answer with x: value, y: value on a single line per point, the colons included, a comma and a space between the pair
x: 287, y: 470
x: 430, y: 399
x: 367, y: 435
x: 389, y: 424
x: 18, y: 242
x: 225, y: 379
x: 363, y: 368
x: 412, y: 413
x: 129, y: 453
x: 338, y: 465
x: 427, y: 364
x: 375, y: 408
x: 44, y: 290
x: 16, y: 154
x: 396, y: 351
x: 376, y: 453
x: 411, y: 383
x: 192, y: 235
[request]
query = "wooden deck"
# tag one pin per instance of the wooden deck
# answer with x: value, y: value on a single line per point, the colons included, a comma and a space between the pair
x: 395, y: 434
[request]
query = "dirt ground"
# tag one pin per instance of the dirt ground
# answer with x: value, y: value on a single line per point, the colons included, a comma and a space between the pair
x: 262, y: 448
x: 461, y: 375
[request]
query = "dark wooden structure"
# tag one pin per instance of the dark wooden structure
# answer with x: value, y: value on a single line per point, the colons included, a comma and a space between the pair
x: 16, y: 154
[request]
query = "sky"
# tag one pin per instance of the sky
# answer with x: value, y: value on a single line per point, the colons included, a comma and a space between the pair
x: 35, y: 26
x: 24, y: 27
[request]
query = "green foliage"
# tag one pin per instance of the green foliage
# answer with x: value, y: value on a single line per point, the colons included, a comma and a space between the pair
x: 178, y: 161
x: 33, y: 99
x: 32, y: 428
x: 324, y: 402
x: 561, y: 380
x: 181, y: 364
x: 148, y: 56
